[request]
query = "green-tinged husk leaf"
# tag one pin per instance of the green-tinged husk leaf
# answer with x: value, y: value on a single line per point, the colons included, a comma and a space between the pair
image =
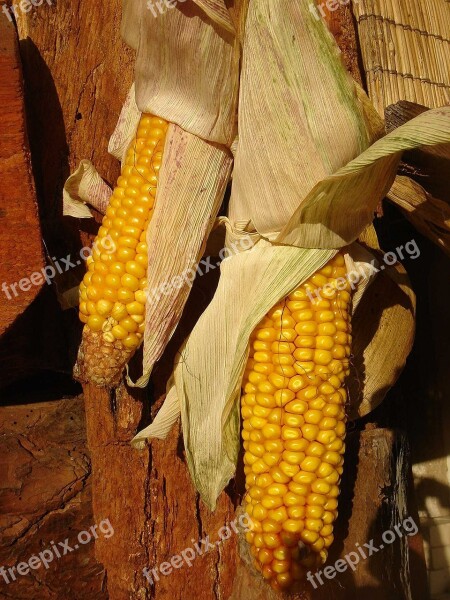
x: 339, y: 207
x: 300, y: 113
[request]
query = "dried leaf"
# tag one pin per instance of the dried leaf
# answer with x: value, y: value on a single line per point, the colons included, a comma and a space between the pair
x: 339, y: 207
x: 85, y: 186
x: 192, y: 183
x: 217, y: 12
x: 300, y: 116
x: 187, y: 69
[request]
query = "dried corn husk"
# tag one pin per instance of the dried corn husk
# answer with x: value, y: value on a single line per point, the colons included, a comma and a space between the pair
x: 187, y: 68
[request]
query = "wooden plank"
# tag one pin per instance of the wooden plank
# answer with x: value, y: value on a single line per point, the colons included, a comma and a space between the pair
x: 45, y: 497
x: 20, y: 237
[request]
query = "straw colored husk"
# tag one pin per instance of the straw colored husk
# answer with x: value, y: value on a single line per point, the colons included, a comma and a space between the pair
x: 300, y: 117
x: 405, y: 47
x: 339, y: 207
x: 187, y: 68
x: 190, y: 191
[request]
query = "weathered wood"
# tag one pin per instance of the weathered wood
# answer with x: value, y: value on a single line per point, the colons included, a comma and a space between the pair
x: 430, y: 165
x: 20, y: 237
x: 342, y: 25
x: 45, y: 497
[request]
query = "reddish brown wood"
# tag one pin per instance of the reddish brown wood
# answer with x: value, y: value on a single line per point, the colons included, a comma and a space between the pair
x: 45, y: 496
x: 342, y: 25
x: 20, y: 238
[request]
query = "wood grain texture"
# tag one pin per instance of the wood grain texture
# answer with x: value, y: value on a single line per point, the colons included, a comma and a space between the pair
x: 20, y: 237
x: 45, y: 496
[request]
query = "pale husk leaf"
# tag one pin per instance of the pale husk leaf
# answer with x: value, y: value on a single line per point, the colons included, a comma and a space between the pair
x: 192, y: 183
x: 217, y: 12
x: 300, y: 116
x: 338, y: 208
x: 187, y: 69
x: 383, y: 335
x: 126, y: 126
x: 85, y: 186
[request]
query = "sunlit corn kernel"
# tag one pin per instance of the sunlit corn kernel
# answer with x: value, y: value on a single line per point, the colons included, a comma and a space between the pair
x: 310, y: 464
x: 293, y: 458
x: 271, y: 458
x: 285, y: 335
x: 131, y: 341
x: 326, y: 436
x: 278, y: 475
x: 321, y: 487
x: 297, y: 407
x: 265, y: 387
x: 333, y: 478
x: 259, y: 512
x: 285, y: 371
x: 278, y: 381
x: 289, y: 433
x: 275, y: 416
x: 310, y: 431
x: 332, y: 458
x: 297, y: 445
x: 304, y: 367
x: 273, y: 446
x: 271, y: 431
x: 293, y: 526
x: 289, y: 469
x: 95, y: 322
x: 292, y: 420
x: 261, y: 411
x: 313, y: 417
x: 264, y: 368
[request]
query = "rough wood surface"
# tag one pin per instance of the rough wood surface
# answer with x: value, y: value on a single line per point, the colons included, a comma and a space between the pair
x: 430, y: 165
x: 20, y: 237
x: 45, y: 496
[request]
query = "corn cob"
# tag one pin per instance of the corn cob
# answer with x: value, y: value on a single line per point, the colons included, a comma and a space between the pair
x: 293, y: 411
x: 113, y: 291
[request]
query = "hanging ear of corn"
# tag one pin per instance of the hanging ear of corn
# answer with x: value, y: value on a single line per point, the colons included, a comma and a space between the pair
x: 113, y: 291
x: 293, y: 415
x: 193, y: 86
